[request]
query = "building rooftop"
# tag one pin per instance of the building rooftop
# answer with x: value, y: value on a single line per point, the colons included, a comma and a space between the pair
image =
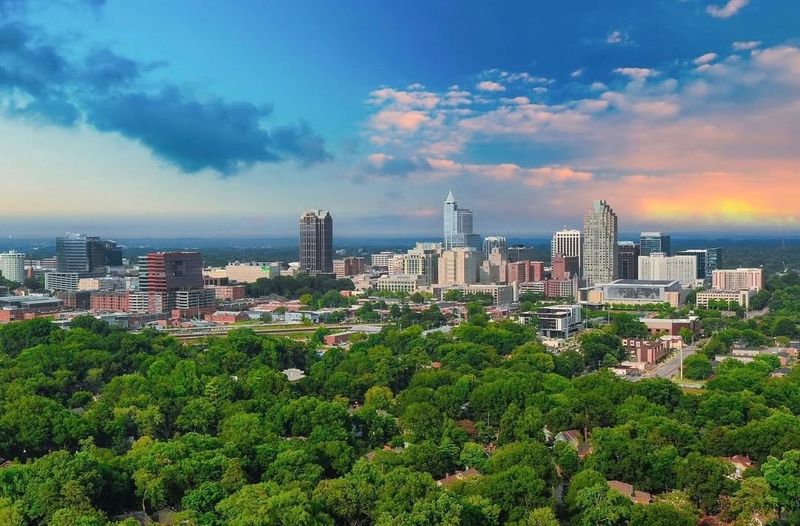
x: 643, y: 282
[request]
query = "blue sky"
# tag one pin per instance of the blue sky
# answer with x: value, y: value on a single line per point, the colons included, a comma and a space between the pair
x: 230, y: 118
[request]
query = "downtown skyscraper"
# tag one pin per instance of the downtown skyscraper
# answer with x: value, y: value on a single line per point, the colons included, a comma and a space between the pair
x: 316, y: 242
x: 458, y: 228
x: 599, y: 244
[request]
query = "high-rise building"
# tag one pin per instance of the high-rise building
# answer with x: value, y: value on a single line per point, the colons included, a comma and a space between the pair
x: 12, y: 266
x: 316, y: 242
x: 458, y: 226
x: 86, y: 255
x: 170, y: 271
x: 173, y: 280
x: 492, y: 242
x: 423, y: 260
x: 567, y: 243
x: 659, y: 267
x: 599, y: 244
x: 458, y: 266
x: 652, y: 242
x: 627, y: 260
x: 708, y: 260
x: 738, y: 279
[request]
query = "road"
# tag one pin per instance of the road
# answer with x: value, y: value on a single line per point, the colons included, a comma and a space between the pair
x: 671, y: 366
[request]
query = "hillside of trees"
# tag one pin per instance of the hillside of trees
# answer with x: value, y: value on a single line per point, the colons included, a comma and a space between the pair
x: 99, y: 426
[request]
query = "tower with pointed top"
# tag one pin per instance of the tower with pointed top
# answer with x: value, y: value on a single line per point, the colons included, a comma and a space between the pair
x: 458, y: 228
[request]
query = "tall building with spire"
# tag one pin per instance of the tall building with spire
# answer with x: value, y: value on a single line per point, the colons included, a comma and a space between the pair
x: 599, y: 244
x: 316, y: 242
x: 458, y: 226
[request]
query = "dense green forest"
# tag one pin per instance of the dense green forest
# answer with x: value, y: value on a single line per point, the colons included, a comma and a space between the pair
x: 96, y: 424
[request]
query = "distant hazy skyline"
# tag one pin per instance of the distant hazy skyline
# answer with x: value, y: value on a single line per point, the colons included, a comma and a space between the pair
x: 171, y: 118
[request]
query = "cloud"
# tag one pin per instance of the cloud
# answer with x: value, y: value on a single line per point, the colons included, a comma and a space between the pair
x: 707, y: 135
x: 746, y: 45
x: 489, y: 85
x: 727, y: 10
x: 617, y: 37
x: 577, y: 73
x: 636, y: 73
x: 195, y: 135
x: 404, y: 121
x: 411, y: 98
x: 40, y: 82
x: 381, y: 164
x: 705, y: 59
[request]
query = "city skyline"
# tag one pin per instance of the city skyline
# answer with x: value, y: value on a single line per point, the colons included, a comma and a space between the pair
x: 678, y: 111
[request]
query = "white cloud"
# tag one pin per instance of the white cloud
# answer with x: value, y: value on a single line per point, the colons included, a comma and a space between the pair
x: 728, y: 10
x: 746, y: 45
x: 490, y: 85
x: 705, y: 59
x: 577, y: 73
x: 636, y: 73
x: 617, y: 37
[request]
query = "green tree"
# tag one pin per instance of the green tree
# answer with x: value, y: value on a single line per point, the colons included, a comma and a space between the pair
x: 705, y: 480
x: 783, y: 477
x: 601, y: 505
x: 659, y: 514
x: 697, y: 367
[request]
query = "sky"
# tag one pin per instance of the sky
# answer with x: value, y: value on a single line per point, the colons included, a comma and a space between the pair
x: 229, y: 118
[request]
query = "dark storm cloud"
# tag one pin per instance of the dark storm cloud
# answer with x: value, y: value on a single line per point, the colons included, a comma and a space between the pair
x: 41, y: 83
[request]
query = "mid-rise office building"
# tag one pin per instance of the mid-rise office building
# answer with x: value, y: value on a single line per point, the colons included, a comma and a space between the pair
x: 423, y: 260
x: 525, y: 271
x: 652, y: 242
x: 408, y: 283
x: 708, y: 260
x: 61, y: 281
x: 738, y: 279
x: 627, y: 260
x: 567, y: 243
x: 316, y: 242
x: 494, y: 268
x: 458, y: 266
x: 12, y: 266
x: 458, y: 226
x: 739, y: 297
x: 165, y: 278
x: 565, y: 267
x: 349, y: 266
x: 495, y: 242
x: 599, y: 244
x: 559, y: 321
x: 86, y: 255
x: 382, y: 259
x: 659, y: 266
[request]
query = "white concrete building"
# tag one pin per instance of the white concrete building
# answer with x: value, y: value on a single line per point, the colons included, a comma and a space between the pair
x: 658, y: 266
x: 409, y: 283
x: 12, y: 266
